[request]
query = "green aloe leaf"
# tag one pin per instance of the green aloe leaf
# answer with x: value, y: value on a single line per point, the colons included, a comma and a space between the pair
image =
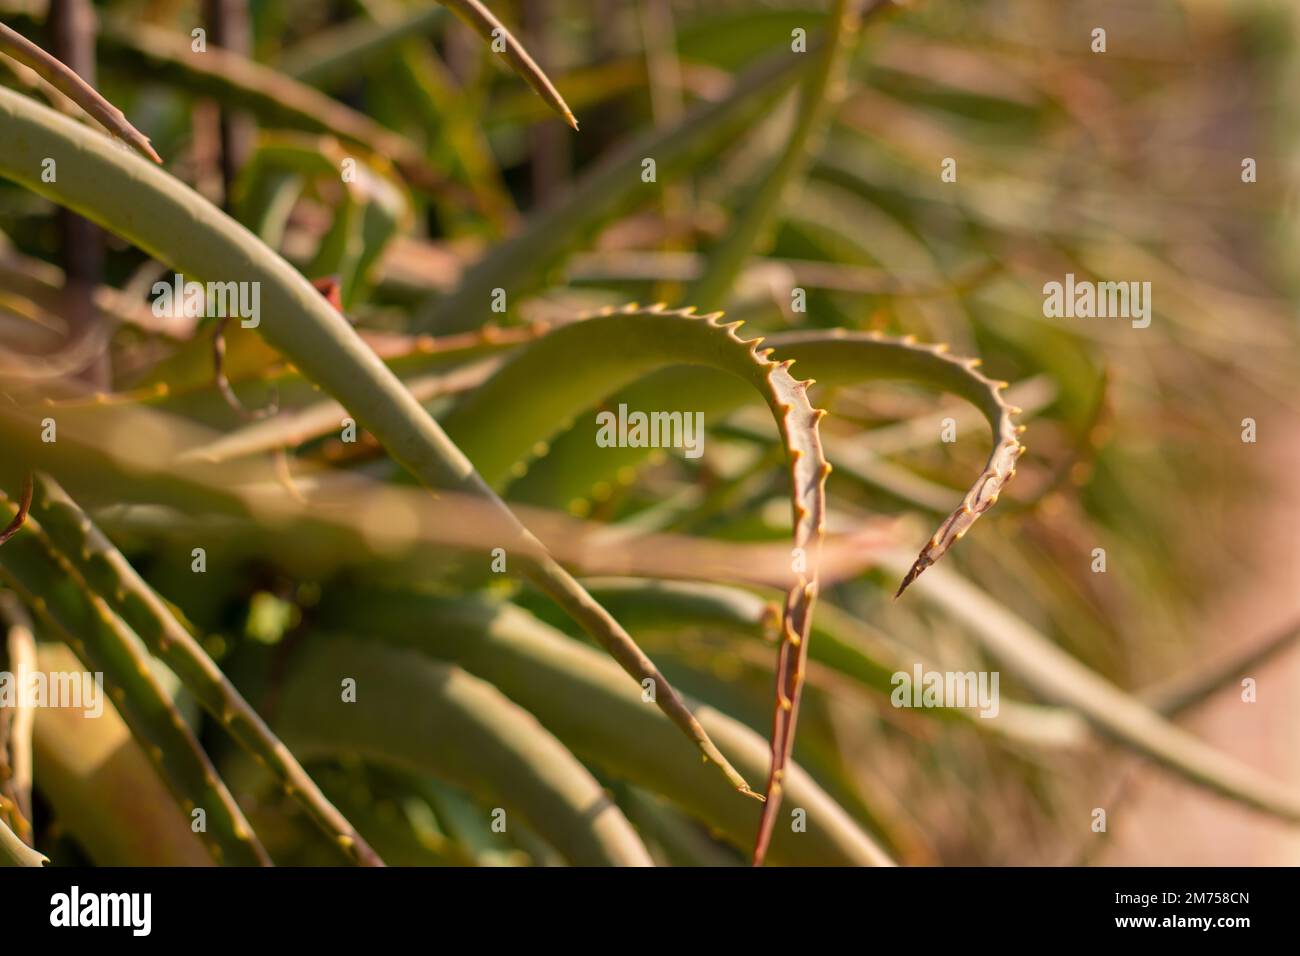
x: 615, y: 348
x: 834, y: 358
x: 421, y: 715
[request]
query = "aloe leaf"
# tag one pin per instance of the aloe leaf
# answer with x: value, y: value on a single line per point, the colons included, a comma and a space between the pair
x: 1060, y: 679
x: 613, y: 186
x: 760, y: 205
x: 584, y: 701
x: 104, y: 789
x: 836, y: 358
x: 422, y: 715
x: 486, y: 25
x: 67, y: 82
x: 841, y: 357
x: 832, y: 358
x: 578, y: 365
x: 76, y: 540
x: 142, y: 203
x: 615, y: 348
x: 105, y: 645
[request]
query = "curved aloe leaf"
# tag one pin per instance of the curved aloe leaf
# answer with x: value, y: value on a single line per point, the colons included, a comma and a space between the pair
x: 836, y: 358
x: 840, y: 357
x: 77, y: 541
x: 145, y: 205
x: 584, y: 701
x: 617, y: 347
x: 831, y: 358
x: 429, y: 717
x: 105, y: 645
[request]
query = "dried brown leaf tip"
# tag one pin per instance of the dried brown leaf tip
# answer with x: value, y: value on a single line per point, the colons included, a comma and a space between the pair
x: 331, y: 289
x: 983, y: 494
x: 503, y: 41
x: 809, y: 469
x: 24, y: 506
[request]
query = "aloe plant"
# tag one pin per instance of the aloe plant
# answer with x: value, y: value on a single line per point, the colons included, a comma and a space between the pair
x: 354, y: 555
